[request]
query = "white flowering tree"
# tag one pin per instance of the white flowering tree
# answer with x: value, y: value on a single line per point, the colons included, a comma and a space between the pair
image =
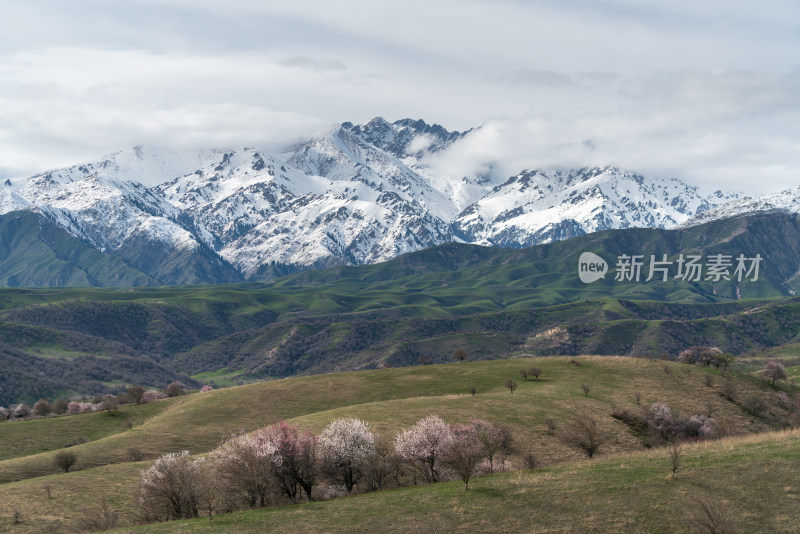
x: 346, y: 446
x: 245, y: 465
x: 424, y: 444
x: 171, y: 488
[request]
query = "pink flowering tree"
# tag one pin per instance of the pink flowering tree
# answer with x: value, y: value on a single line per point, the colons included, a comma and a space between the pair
x: 244, y: 464
x: 294, y: 463
x: 774, y: 370
x: 464, y: 451
x: 346, y: 446
x: 424, y: 444
x: 704, y: 425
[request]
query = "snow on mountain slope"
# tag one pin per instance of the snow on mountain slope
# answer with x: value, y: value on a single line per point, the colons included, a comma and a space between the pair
x: 104, y: 202
x: 358, y: 194
x: 787, y: 200
x: 541, y: 206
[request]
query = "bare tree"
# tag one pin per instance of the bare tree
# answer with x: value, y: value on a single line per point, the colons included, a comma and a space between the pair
x: 712, y: 518
x: 551, y: 425
x: 171, y: 488
x: 97, y: 518
x: 585, y: 434
x: 524, y: 373
x: 535, y: 372
x: 42, y: 408
x: 460, y: 355
x: 175, y: 389
x: 136, y: 394
x: 674, y: 449
x: 110, y: 403
x: 511, y: 385
x: 65, y: 460
x: 464, y: 452
x: 493, y: 438
x: 60, y: 406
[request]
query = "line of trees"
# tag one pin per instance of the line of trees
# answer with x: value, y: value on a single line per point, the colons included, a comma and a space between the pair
x: 109, y: 402
x: 282, y: 463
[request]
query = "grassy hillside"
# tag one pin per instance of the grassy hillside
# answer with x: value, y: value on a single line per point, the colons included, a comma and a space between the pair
x: 753, y: 479
x: 390, y: 399
x: 416, y: 308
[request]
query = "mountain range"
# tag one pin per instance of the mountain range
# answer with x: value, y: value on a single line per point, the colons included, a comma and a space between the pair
x: 359, y: 194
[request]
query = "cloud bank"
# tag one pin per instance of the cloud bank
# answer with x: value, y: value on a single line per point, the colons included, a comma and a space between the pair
x: 707, y: 91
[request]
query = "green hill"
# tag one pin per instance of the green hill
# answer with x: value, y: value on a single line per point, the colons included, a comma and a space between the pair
x: 416, y: 308
x: 391, y: 399
x: 752, y: 482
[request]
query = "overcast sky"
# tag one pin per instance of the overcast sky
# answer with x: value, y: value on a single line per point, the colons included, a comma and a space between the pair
x: 708, y: 91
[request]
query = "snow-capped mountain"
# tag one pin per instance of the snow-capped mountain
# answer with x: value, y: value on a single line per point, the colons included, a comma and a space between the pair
x: 359, y: 194
x: 787, y: 200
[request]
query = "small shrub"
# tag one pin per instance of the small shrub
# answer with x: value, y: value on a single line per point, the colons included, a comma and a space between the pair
x: 638, y: 397
x: 586, y: 389
x: 511, y: 385
x: 585, y: 434
x: 530, y: 461
x: 711, y: 517
x: 552, y: 426
x: 175, y: 389
x: 472, y: 390
x: 134, y: 454
x: 755, y: 404
x: 729, y: 389
x: 97, y: 518
x: 65, y: 460
x: 77, y: 440
x: 708, y: 379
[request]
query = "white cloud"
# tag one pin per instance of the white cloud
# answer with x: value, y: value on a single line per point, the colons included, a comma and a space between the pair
x: 727, y: 129
x: 706, y: 90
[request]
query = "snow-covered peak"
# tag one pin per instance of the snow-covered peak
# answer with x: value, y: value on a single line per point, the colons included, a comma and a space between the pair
x: 356, y: 194
x: 787, y: 200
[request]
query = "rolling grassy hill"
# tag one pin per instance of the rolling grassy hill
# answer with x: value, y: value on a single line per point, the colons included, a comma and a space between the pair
x: 752, y: 479
x: 391, y: 399
x: 419, y: 307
